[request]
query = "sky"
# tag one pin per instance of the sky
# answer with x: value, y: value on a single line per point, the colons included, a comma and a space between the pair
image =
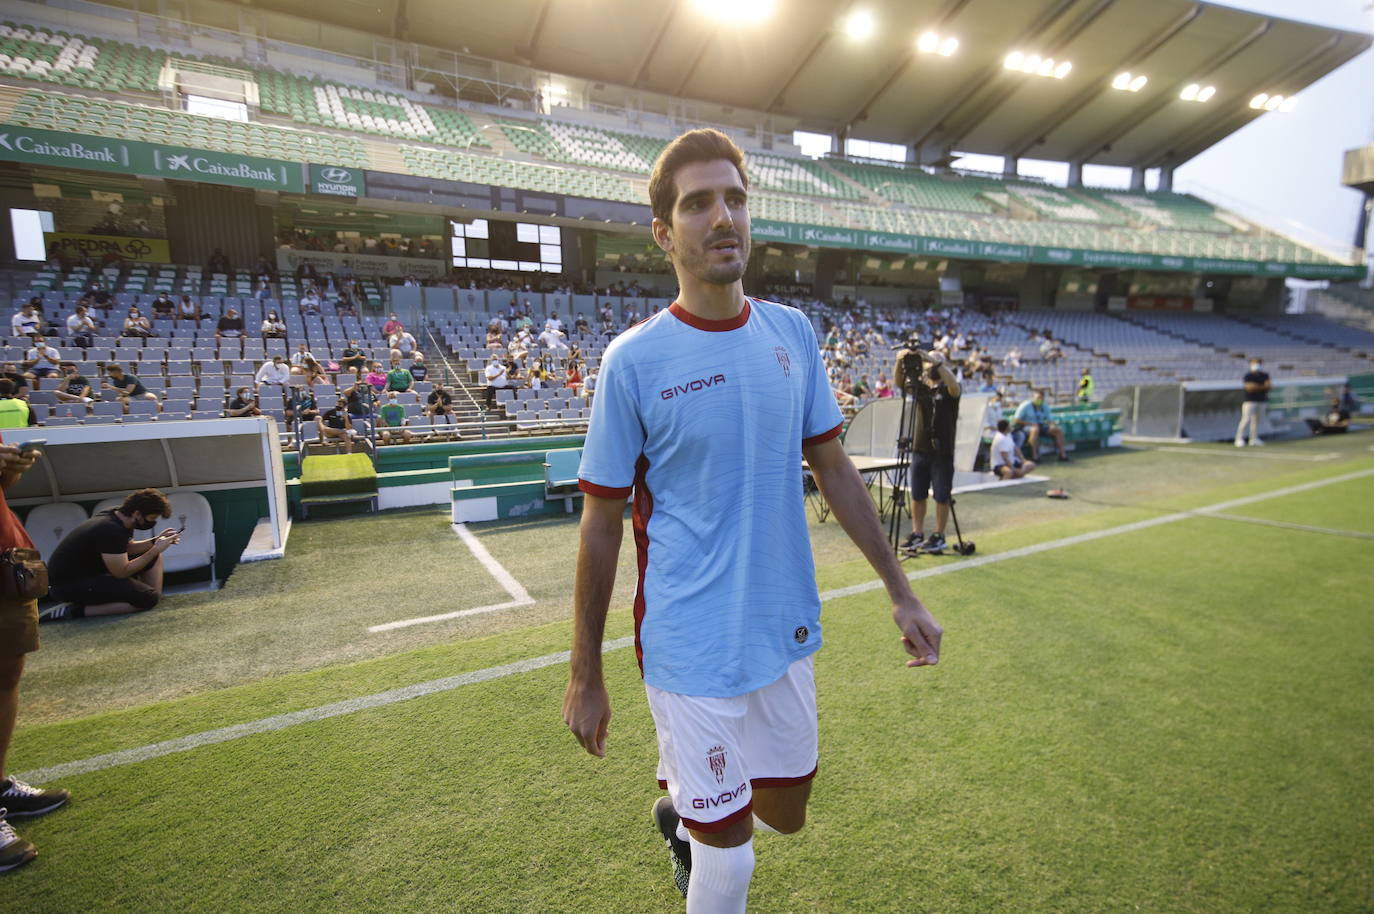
x: 1281, y: 170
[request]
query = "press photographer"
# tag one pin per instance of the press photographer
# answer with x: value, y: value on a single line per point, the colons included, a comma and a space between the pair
x: 935, y: 391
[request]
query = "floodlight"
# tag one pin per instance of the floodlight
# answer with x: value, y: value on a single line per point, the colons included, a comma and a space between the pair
x: 1046, y: 67
x: 1031, y: 63
x: 1289, y: 104
x: 1139, y: 83
x: 1274, y: 102
x: 859, y: 25
x: 949, y: 46
x: 1259, y: 100
x: 1206, y: 93
x: 928, y: 43
x: 1190, y: 92
x: 1122, y: 81
x: 1013, y: 60
x: 1063, y: 69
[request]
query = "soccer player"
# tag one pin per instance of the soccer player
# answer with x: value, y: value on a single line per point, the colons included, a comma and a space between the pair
x: 704, y: 412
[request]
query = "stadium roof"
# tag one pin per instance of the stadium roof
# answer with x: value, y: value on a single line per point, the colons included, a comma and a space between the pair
x: 798, y: 61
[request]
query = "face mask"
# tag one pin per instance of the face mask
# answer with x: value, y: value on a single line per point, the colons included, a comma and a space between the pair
x: 146, y: 524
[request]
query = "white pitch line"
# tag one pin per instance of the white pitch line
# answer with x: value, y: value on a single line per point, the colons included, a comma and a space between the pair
x: 1287, y: 525
x: 1238, y: 452
x: 518, y: 595
x: 349, y: 706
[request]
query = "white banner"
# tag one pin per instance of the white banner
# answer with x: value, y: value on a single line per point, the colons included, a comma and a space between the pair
x: 362, y: 264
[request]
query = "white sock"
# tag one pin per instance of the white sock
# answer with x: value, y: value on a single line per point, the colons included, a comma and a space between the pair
x: 682, y: 833
x: 760, y: 825
x: 720, y: 878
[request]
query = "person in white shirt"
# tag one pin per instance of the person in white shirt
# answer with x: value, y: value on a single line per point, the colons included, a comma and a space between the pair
x: 42, y: 360
x: 552, y: 340
x: 275, y: 372
x: 496, y: 379
x: 1006, y: 460
x: 553, y: 323
x: 299, y: 358
x: 273, y: 327
x: 26, y: 322
x: 81, y: 328
x: 402, y: 344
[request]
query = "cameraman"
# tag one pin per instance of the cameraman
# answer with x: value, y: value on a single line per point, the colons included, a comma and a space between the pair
x: 935, y: 418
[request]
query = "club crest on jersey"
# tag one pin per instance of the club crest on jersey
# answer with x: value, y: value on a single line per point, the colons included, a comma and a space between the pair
x: 715, y: 756
x: 783, y: 360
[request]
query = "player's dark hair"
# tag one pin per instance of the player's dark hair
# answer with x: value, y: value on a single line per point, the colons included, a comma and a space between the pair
x: 149, y: 502
x: 703, y: 145
x: 1003, y: 425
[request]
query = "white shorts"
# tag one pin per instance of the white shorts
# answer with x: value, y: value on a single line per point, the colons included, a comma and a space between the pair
x: 713, y: 752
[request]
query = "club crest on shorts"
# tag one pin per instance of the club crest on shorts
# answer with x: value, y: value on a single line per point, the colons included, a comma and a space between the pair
x: 801, y: 634
x: 715, y: 756
x: 783, y: 360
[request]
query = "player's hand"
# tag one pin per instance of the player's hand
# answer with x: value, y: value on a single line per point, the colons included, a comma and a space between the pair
x: 921, y: 634
x: 587, y: 712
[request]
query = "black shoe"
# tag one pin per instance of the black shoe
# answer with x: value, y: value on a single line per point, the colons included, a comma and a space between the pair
x: 666, y: 818
x: 1064, y: 459
x: 24, y: 801
x: 934, y: 544
x: 57, y: 613
x: 912, y: 543
x: 14, y: 850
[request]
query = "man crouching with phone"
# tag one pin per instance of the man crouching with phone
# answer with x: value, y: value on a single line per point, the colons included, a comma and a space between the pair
x: 99, y: 569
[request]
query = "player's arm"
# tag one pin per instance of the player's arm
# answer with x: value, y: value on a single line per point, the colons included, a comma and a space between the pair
x: 587, y: 704
x: 845, y: 492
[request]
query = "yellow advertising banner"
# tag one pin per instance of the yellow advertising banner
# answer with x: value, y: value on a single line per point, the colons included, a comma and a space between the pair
x: 144, y: 250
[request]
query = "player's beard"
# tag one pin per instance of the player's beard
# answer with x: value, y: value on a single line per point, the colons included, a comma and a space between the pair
x: 698, y: 260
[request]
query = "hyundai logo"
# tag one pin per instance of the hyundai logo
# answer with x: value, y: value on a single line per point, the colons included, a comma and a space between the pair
x: 336, y: 175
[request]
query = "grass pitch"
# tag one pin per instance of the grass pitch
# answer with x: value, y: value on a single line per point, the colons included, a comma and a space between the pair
x: 1170, y: 719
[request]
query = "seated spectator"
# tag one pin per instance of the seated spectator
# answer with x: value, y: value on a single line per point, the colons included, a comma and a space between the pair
x: 553, y: 323
x: 230, y: 326
x: 575, y: 354
x: 883, y: 389
x: 275, y: 373
x: 314, y: 373
x: 81, y: 328
x: 136, y: 325
x: 344, y: 307
x: 74, y: 388
x: 163, y: 306
x: 581, y: 326
x: 552, y: 340
x: 573, y: 379
x: 337, y: 425
x: 439, y: 402
x: 589, y: 383
x: 100, y: 296
x: 1335, y: 422
x: 538, y: 378
x: 10, y: 372
x: 519, y: 348
x: 187, y: 312
x: 402, y: 344
x: 263, y: 290
x: 310, y: 300
x: 26, y: 321
x: 1049, y: 349
x: 244, y: 403
x: 391, y: 419
x: 273, y: 327
x: 1034, y: 418
x: 362, y: 400
x: 494, y: 339
x: 376, y: 377
x: 1005, y: 457
x: 1013, y: 358
x: 14, y: 409
x: 126, y: 387
x: 392, y: 326
x: 99, y: 569
x: 299, y: 357
x: 398, y: 378
x: 418, y: 369
x: 42, y: 360
x: 302, y: 405
x: 352, y: 358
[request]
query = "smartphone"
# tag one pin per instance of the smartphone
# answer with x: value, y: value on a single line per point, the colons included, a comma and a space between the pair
x: 34, y: 445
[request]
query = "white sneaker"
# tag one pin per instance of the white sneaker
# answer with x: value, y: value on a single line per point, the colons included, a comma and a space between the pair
x: 1255, y: 442
x: 1240, y: 442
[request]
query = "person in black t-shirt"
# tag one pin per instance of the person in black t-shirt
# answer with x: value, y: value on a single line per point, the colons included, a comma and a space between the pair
x: 243, y: 404
x: 352, y: 358
x: 1335, y: 422
x: 440, y: 402
x: 419, y: 371
x: 336, y: 425
x: 74, y: 387
x: 935, y: 418
x: 99, y: 569
x: 231, y: 325
x: 127, y: 387
x: 1256, y: 383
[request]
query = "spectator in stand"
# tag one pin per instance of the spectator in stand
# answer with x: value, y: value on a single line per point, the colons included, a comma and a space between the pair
x: 498, y: 377
x: 553, y: 323
x: 310, y: 300
x: 305, y: 270
x: 344, y: 306
x: 137, y: 326
x: 398, y: 378
x: 230, y: 326
x: 99, y: 569
x: 581, y: 326
x: 352, y: 358
x: 553, y: 341
x: 126, y: 387
x: 883, y: 389
x: 376, y: 377
x: 1336, y: 421
x: 1257, y: 386
x: 14, y: 410
x: 520, y: 345
x: 273, y: 327
x: 100, y: 296
x: 81, y: 329
x: 263, y: 289
x: 1006, y: 457
x: 42, y: 361
x: 218, y: 263
x: 302, y: 405
x: 299, y: 357
x: 10, y: 372
x: 538, y: 377
x: 361, y: 399
x: 264, y: 268
x: 1049, y: 349
x: 494, y: 340
x: 392, y: 326
x: 391, y: 419
x: 402, y: 344
x: 1034, y: 418
x: 275, y: 373
x: 1013, y: 358
x: 26, y: 321
x: 244, y: 403
x: 1086, y: 386
x: 188, y: 312
x: 439, y: 402
x: 418, y: 369
x: 589, y: 383
x: 314, y: 373
x: 18, y: 637
x: 74, y: 388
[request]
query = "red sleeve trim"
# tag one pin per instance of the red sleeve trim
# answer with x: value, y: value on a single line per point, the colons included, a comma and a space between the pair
x: 592, y: 488
x: 720, y: 824
x: 823, y: 436
x: 756, y: 783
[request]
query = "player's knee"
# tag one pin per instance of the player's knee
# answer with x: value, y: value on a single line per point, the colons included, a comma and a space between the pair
x: 788, y: 823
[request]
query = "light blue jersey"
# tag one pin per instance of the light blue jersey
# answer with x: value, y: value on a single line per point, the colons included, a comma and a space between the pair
x: 705, y: 421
